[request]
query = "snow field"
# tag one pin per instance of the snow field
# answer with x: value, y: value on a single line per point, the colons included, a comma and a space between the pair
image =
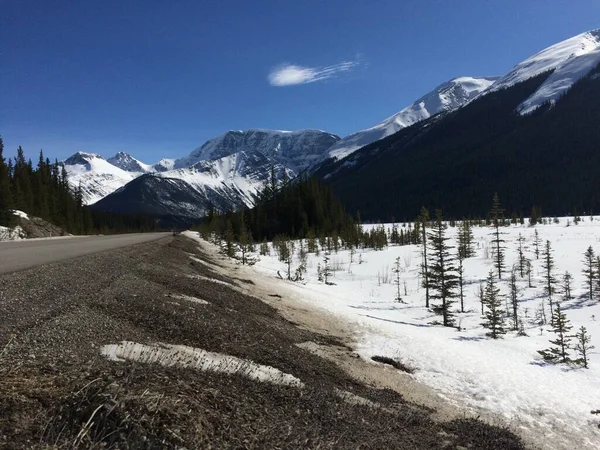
x: 505, y: 376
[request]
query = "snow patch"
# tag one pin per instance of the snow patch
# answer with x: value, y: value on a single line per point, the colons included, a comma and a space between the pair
x: 195, y: 358
x: 187, y: 298
x: 21, y: 214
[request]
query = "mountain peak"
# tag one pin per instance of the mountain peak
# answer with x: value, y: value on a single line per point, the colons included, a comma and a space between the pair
x: 128, y: 163
x: 296, y: 150
x: 446, y: 97
x: 568, y: 60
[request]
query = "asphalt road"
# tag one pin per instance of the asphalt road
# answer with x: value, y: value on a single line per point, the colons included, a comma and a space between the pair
x: 19, y: 255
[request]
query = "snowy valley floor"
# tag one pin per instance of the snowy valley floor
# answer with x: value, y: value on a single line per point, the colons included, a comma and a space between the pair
x: 548, y: 405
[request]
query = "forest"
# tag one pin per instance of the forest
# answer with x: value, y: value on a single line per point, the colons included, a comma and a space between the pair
x: 43, y: 191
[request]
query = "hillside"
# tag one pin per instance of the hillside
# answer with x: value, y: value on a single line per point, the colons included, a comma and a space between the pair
x: 457, y: 161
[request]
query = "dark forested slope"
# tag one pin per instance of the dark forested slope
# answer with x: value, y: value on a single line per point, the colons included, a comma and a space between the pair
x: 457, y: 161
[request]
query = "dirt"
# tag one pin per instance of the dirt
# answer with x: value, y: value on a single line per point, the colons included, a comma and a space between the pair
x: 58, y: 391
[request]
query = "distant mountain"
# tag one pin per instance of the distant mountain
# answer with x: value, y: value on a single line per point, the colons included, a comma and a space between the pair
x: 95, y: 176
x: 569, y: 60
x: 129, y: 164
x: 295, y: 150
x: 226, y: 183
x: 446, y: 97
x: 164, y: 164
x: 457, y: 161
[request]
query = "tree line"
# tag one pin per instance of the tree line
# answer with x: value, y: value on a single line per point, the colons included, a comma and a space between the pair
x: 43, y: 190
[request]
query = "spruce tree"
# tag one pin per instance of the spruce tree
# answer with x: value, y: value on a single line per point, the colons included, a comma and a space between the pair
x: 514, y: 298
x: 550, y: 281
x: 496, y: 216
x: 583, y: 347
x: 561, y: 327
x: 537, y: 242
x: 6, y: 202
x: 442, y: 273
x: 521, y: 254
x: 423, y: 219
x: 461, y: 281
x: 494, y: 315
x: 567, y: 280
x: 589, y: 271
x: 397, y: 270
x: 465, y: 240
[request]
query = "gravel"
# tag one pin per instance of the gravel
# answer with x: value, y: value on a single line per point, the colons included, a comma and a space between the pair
x: 56, y: 389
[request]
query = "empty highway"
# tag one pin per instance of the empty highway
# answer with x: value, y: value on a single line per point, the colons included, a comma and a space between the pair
x: 19, y: 255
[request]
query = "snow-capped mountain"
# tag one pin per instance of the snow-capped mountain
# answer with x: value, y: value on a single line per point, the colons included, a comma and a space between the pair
x: 226, y: 183
x: 296, y: 150
x: 96, y: 176
x: 570, y: 60
x: 446, y: 97
x: 164, y: 164
x: 129, y: 164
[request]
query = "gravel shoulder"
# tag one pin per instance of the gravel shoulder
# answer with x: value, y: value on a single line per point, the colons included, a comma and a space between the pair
x: 58, y: 391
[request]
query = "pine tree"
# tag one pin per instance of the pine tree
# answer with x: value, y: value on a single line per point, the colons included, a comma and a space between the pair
x: 514, y: 298
x: 442, y: 273
x: 397, y: 270
x: 6, y: 202
x: 550, y: 281
x: 589, y: 271
x: 423, y: 219
x: 598, y: 276
x: 245, y: 241
x: 567, y: 280
x: 537, y: 243
x: 461, y: 280
x: 561, y: 327
x: 583, y: 347
x: 494, y: 315
x: 521, y: 255
x: 496, y: 215
x: 528, y: 272
x: 481, y: 296
x: 465, y: 240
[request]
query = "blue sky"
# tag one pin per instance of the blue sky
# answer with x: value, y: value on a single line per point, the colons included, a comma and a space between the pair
x: 158, y: 78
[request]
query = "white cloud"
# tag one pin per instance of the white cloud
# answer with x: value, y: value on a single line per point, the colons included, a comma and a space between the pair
x: 290, y: 74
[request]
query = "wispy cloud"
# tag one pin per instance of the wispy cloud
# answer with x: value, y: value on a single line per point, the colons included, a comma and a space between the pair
x: 291, y: 74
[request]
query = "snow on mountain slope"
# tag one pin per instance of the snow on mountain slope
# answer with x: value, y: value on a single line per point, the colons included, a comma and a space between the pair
x: 446, y: 97
x: 238, y: 176
x: 226, y: 183
x: 129, y: 164
x: 570, y: 60
x: 96, y: 176
x: 164, y: 164
x: 296, y: 150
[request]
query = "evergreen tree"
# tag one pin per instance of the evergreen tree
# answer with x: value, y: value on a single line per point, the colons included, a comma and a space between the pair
x: 442, y: 273
x: 537, y: 242
x: 461, y: 280
x: 528, y: 272
x: 496, y: 215
x: 423, y: 220
x: 561, y: 327
x: 583, y: 347
x: 397, y: 270
x: 550, y: 281
x: 521, y: 256
x: 514, y: 298
x: 6, y: 203
x: 465, y: 240
x: 567, y: 280
x: 589, y: 271
x: 494, y: 315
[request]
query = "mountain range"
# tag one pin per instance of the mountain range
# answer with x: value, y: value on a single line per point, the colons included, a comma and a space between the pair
x: 227, y: 170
